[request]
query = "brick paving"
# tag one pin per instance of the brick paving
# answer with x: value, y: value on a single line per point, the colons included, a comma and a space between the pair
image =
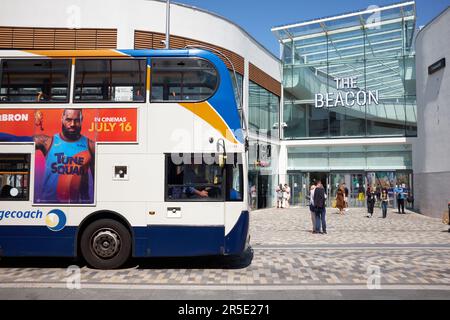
x: 293, y: 227
x: 408, y: 250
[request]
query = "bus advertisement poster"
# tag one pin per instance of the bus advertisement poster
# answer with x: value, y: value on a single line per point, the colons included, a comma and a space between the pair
x: 65, y: 150
x: 16, y: 125
x: 65, y: 142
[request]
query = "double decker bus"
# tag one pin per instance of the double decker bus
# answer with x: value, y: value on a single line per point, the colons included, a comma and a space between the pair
x: 113, y: 154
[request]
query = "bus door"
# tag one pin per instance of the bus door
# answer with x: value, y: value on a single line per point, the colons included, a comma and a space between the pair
x: 236, y: 204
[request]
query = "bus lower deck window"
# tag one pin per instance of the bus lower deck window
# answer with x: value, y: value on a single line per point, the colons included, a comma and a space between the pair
x: 202, y: 177
x: 192, y: 178
x: 14, y: 177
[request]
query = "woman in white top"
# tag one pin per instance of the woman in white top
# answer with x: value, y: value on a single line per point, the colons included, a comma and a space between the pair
x: 286, y: 195
x: 279, y: 191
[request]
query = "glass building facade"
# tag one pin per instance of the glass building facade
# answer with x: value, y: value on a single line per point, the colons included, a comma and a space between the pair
x: 263, y: 124
x: 264, y: 112
x: 350, y: 77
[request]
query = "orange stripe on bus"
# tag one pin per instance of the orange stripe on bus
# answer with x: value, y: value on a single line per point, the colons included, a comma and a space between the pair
x: 77, y: 53
x: 207, y: 113
x: 148, y: 78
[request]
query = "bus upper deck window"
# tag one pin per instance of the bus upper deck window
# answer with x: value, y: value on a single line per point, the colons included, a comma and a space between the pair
x: 35, y: 80
x: 110, y: 80
x: 183, y: 79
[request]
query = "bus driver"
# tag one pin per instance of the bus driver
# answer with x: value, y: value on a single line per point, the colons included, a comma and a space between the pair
x: 69, y: 156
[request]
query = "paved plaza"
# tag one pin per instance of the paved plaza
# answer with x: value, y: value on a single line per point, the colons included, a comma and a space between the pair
x: 292, y: 227
x: 401, y: 252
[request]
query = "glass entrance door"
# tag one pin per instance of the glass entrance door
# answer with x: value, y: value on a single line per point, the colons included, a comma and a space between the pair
x: 298, y: 182
x: 382, y: 180
x: 316, y: 176
x: 336, y: 180
x: 324, y: 177
x: 354, y: 182
x: 357, y: 191
x: 263, y: 191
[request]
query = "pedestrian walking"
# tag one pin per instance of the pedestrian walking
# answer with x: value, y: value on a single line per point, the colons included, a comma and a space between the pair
x: 370, y: 196
x: 312, y: 208
x: 346, y: 201
x: 286, y: 195
x: 279, y: 192
x: 319, y: 206
x: 340, y: 199
x: 384, y: 202
x: 400, y: 195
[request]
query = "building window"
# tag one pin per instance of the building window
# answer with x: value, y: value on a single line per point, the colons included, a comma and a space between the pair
x: 264, y: 111
x: 106, y: 80
x: 14, y: 177
x: 34, y: 80
x: 182, y: 79
x: 356, y: 81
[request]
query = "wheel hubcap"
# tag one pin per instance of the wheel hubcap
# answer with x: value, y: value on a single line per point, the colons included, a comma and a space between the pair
x: 106, y: 243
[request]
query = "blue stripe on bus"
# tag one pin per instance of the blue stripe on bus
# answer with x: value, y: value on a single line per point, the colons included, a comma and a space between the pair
x: 142, y: 53
x: 6, y: 137
x: 183, y: 241
x: 178, y: 241
x: 236, y: 240
x: 23, y: 241
x: 151, y: 241
x: 224, y: 101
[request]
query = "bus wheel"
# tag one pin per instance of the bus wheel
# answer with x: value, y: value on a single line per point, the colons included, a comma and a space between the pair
x: 106, y: 244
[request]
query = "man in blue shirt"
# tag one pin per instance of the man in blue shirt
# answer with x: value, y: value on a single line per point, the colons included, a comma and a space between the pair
x: 400, y: 195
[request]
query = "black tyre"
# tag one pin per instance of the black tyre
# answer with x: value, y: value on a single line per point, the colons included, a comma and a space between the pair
x: 106, y: 244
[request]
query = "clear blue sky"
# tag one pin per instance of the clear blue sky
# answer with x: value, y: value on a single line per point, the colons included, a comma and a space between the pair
x: 257, y: 17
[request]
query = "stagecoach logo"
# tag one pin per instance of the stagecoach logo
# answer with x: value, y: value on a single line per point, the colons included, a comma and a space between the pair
x: 56, y: 220
x: 348, y: 95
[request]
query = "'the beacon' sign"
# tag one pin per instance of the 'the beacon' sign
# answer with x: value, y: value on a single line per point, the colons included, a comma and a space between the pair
x: 348, y: 98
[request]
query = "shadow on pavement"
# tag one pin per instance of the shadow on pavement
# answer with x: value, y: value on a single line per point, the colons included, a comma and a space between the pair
x: 38, y: 262
x: 210, y: 262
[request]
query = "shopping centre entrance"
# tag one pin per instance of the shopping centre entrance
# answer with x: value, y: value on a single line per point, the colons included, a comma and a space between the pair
x: 261, y: 189
x: 356, y: 183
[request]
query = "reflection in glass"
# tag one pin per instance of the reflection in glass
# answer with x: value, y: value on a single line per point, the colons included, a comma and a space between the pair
x: 264, y: 111
x: 378, y: 55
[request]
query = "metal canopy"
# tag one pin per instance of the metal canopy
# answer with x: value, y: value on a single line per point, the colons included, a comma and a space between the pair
x: 369, y: 44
